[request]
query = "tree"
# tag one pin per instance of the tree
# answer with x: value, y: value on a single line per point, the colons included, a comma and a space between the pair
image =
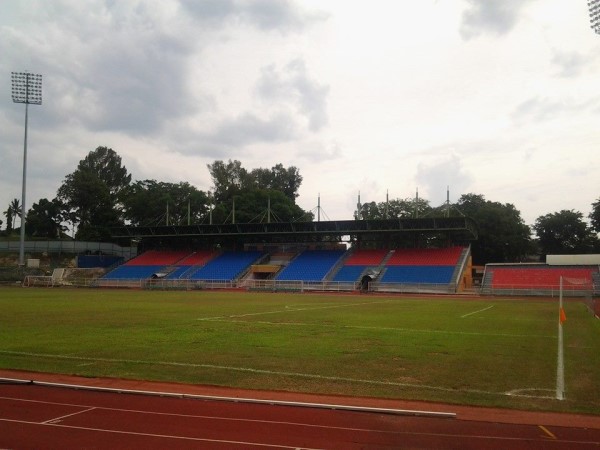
x: 503, y: 235
x: 253, y: 206
x: 278, y: 178
x: 9, y: 220
x: 228, y: 179
x: 564, y: 232
x: 394, y: 209
x: 595, y: 216
x: 145, y: 203
x: 44, y: 219
x: 16, y: 210
x: 91, y: 194
x: 231, y: 179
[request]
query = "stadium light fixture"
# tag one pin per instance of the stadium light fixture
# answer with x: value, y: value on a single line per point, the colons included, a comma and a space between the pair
x: 594, y: 7
x: 26, y: 88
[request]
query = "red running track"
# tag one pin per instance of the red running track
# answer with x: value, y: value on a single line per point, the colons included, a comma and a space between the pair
x: 41, y: 417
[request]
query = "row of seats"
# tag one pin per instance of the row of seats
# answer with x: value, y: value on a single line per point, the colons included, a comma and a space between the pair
x: 226, y: 267
x: 418, y: 274
x: 362, y: 257
x: 431, y: 266
x: 425, y: 257
x: 540, y: 277
x: 310, y: 265
x: 158, y: 258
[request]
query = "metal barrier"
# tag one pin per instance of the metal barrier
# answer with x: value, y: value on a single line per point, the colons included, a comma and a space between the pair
x: 540, y: 291
x: 70, y: 247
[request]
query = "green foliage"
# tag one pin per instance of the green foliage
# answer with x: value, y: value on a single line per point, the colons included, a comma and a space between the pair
x: 595, y: 215
x: 253, y: 206
x: 230, y: 179
x: 90, y: 194
x: 251, y: 191
x: 146, y: 202
x: 278, y: 178
x: 564, y: 232
x: 395, y: 209
x: 12, y: 212
x: 44, y: 219
x: 503, y: 235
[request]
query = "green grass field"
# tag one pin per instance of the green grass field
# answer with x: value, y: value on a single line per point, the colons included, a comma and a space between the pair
x: 494, y: 352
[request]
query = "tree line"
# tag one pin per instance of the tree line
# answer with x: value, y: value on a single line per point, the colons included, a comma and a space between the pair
x: 100, y: 194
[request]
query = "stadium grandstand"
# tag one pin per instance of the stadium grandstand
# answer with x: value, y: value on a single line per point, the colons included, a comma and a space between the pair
x: 401, y: 255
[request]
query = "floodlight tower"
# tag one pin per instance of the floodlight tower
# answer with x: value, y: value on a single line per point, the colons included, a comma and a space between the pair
x: 26, y: 88
x: 594, y: 6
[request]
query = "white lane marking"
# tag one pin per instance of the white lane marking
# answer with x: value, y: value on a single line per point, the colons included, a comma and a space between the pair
x: 475, y: 312
x: 404, y: 433
x: 58, y: 419
x: 162, y: 436
x: 197, y: 416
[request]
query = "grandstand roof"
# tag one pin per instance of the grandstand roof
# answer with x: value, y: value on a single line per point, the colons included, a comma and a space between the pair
x: 462, y: 227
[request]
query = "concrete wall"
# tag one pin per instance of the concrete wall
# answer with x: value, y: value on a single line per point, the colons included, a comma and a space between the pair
x: 573, y: 260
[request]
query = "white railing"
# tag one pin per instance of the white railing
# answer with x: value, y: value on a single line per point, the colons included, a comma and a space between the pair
x: 423, y: 288
x: 540, y: 290
x: 252, y: 285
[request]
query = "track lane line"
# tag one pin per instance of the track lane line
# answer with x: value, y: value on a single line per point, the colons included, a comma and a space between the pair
x: 58, y: 419
x: 480, y: 437
x: 223, y: 418
x: 162, y: 436
x: 547, y: 431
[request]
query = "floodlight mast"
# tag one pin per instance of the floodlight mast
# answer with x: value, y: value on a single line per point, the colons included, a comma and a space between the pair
x: 26, y: 88
x: 594, y: 7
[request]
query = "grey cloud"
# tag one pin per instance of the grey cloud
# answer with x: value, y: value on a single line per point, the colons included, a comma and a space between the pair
x: 132, y: 78
x: 570, y: 64
x: 491, y: 16
x: 435, y: 178
x: 538, y: 109
x: 267, y: 15
x: 209, y: 10
x: 248, y: 129
x: 319, y: 152
x: 293, y: 84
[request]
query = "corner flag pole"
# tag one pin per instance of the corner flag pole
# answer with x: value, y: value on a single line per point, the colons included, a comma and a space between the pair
x: 560, y: 364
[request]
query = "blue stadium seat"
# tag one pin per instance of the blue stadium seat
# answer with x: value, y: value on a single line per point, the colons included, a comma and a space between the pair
x: 418, y: 274
x: 349, y: 273
x: 226, y: 267
x: 310, y: 265
x: 125, y: 272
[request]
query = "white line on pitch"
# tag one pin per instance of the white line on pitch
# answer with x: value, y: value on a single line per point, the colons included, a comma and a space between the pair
x: 293, y: 309
x: 260, y: 371
x: 475, y: 312
x: 365, y: 327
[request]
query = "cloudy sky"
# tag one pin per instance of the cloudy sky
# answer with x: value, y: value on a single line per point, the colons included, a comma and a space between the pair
x: 493, y: 97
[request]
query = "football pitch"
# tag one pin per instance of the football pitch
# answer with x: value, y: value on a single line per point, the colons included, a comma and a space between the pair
x: 492, y: 352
